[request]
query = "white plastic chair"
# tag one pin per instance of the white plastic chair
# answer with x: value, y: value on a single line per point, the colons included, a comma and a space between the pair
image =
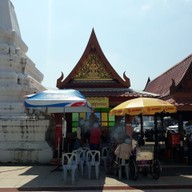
x: 85, y: 149
x: 123, y: 163
x: 80, y: 158
x: 93, y: 160
x: 69, y: 164
x: 104, y: 156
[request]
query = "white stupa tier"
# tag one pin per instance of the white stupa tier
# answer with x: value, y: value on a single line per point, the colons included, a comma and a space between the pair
x: 22, y: 132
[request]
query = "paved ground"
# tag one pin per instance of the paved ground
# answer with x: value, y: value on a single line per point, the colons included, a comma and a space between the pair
x: 47, y: 178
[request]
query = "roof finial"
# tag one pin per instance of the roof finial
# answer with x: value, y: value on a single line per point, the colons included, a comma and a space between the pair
x: 148, y: 81
x: 126, y: 79
x: 59, y: 80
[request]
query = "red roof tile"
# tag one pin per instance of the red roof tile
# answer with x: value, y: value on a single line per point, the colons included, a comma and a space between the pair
x: 161, y: 85
x: 111, y: 92
x: 180, y: 101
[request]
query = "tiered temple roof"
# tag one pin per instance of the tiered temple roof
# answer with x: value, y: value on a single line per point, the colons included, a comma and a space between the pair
x: 93, y: 75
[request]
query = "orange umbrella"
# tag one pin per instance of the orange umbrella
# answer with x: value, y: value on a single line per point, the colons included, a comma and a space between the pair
x: 144, y: 106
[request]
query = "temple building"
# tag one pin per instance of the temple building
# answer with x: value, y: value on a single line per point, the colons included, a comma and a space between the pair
x: 95, y: 78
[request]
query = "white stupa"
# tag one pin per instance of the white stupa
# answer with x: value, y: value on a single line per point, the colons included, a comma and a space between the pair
x: 22, y: 133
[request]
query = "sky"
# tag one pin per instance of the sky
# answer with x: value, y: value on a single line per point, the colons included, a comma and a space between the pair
x: 143, y: 38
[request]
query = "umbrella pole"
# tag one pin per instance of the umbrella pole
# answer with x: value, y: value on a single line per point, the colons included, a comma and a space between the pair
x: 141, y: 122
x: 156, y: 138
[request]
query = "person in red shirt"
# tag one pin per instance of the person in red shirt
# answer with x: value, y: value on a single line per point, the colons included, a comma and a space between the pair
x: 95, y: 136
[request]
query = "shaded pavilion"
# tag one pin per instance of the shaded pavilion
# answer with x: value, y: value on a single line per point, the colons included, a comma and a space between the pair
x: 175, y: 86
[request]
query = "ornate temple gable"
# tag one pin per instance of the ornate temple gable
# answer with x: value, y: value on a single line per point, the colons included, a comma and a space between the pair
x: 93, y: 66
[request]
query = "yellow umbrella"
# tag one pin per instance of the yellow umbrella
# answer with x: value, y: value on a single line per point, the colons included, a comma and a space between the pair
x: 144, y: 106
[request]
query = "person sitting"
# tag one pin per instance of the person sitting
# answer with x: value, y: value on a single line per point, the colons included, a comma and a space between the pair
x: 123, y: 150
x: 123, y: 153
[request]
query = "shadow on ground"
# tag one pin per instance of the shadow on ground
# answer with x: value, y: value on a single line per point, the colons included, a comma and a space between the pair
x: 49, y: 178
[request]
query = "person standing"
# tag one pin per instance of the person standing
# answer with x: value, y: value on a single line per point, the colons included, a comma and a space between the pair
x: 79, y: 133
x: 95, y: 136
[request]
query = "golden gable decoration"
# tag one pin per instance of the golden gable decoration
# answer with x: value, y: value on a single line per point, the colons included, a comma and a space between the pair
x: 93, y: 68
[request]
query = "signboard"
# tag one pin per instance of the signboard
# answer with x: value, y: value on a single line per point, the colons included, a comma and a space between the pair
x: 99, y: 102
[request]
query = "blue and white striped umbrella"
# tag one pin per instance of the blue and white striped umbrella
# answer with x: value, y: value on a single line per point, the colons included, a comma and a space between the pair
x: 59, y: 101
